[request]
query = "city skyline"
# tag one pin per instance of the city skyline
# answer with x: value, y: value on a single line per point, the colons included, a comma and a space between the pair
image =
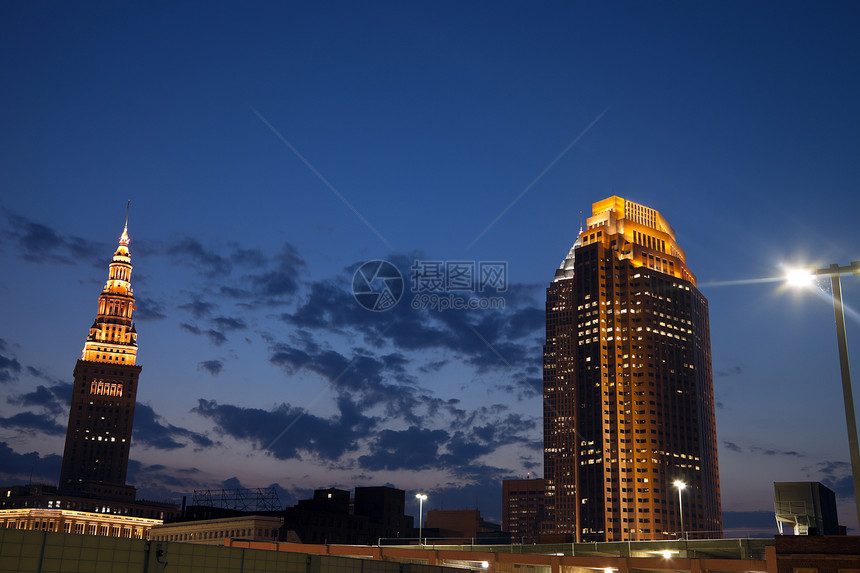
x: 268, y: 153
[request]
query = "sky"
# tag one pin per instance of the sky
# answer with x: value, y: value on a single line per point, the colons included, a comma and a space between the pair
x: 271, y: 150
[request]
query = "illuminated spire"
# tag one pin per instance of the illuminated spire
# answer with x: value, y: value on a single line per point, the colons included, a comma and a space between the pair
x: 112, y: 337
x: 123, y: 240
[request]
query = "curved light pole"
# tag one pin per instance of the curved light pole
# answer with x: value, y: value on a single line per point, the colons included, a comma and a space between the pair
x: 834, y: 271
x: 421, y: 497
x: 681, y: 486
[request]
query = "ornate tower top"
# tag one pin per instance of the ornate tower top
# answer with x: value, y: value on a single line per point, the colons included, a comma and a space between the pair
x: 112, y: 337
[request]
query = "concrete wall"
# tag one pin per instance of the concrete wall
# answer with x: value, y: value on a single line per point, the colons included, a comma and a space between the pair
x: 44, y: 552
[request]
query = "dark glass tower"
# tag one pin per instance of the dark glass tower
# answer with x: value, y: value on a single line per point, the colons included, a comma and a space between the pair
x: 628, y: 386
x: 98, y: 436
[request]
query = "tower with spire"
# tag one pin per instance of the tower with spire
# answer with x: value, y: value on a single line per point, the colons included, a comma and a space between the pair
x: 95, y: 459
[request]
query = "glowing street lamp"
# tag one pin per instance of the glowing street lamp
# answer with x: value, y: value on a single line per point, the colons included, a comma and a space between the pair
x: 834, y: 271
x: 681, y: 486
x: 421, y: 497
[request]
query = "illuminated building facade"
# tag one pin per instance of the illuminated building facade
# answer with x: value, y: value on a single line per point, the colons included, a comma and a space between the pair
x: 98, y: 436
x: 81, y: 522
x: 215, y: 531
x: 628, y: 386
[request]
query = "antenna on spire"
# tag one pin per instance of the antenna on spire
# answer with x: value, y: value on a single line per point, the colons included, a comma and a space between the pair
x: 580, y: 222
x: 123, y: 239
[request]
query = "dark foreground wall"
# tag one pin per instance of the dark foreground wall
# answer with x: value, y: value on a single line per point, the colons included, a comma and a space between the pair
x: 43, y: 552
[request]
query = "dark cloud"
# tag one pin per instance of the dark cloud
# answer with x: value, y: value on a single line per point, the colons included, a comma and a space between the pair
x: 368, y: 380
x: 835, y: 475
x: 232, y: 483
x: 215, y: 337
x: 286, y: 496
x: 148, y: 309
x: 52, y: 399
x: 285, y: 431
x: 249, y: 257
x: 32, y: 423
x: 191, y: 253
x: 772, y: 452
x: 36, y: 373
x: 229, y: 323
x: 271, y: 280
x: 284, y: 278
x: 433, y: 366
x: 733, y: 371
x: 732, y: 446
x: 10, y: 368
x: 371, y: 380
x: 213, y: 367
x: 159, y: 483
x: 489, y: 340
x: 38, y: 243
x: 530, y: 464
x: 30, y: 466
x: 198, y: 308
x: 149, y: 431
x: 414, y: 448
x: 527, y: 320
x: 423, y: 448
x: 234, y: 292
x: 277, y: 279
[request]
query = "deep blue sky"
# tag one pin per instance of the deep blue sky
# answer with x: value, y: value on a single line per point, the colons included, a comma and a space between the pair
x: 241, y: 133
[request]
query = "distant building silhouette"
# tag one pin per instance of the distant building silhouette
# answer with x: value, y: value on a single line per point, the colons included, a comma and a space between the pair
x: 331, y: 517
x: 456, y: 526
x: 522, y: 509
x: 628, y: 386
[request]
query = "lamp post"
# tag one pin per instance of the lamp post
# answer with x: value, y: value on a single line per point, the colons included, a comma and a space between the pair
x: 834, y: 271
x: 421, y: 497
x: 681, y: 486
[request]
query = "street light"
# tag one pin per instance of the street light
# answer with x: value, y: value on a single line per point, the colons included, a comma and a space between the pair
x: 834, y: 271
x: 681, y: 486
x: 421, y: 497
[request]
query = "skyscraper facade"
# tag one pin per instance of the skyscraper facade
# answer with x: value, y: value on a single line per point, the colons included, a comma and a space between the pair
x: 98, y: 436
x: 628, y: 386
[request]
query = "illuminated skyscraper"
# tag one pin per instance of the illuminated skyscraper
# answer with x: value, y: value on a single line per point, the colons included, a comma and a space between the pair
x: 628, y: 385
x: 98, y: 436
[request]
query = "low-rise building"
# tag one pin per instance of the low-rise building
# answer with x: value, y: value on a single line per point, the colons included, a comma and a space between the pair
x: 461, y: 526
x: 81, y: 522
x: 215, y: 531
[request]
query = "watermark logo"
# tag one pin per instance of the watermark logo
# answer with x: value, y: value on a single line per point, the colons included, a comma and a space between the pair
x: 457, y: 285
x: 438, y: 285
x: 377, y: 285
